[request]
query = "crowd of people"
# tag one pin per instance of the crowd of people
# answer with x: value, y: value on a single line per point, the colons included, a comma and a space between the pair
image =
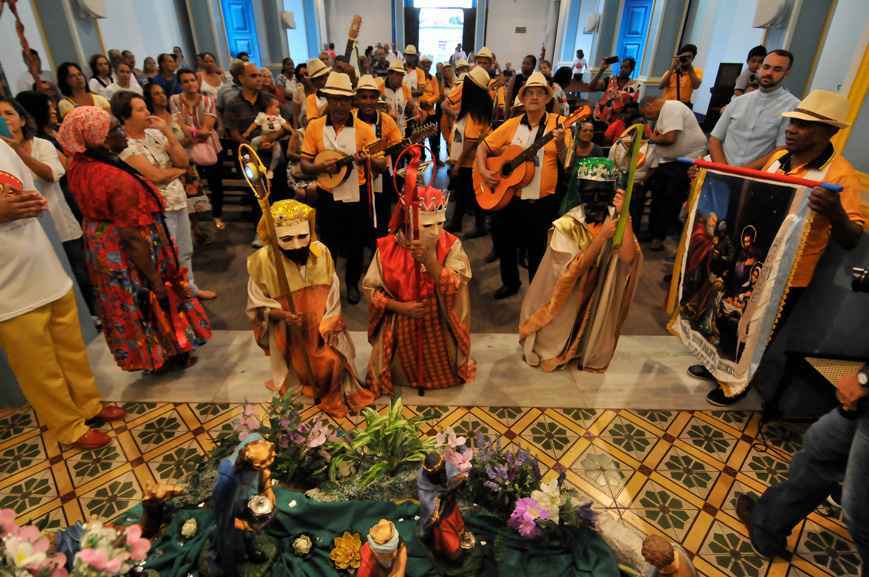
x: 116, y: 154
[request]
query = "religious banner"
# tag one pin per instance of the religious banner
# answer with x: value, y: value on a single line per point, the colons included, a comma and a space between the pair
x: 742, y: 237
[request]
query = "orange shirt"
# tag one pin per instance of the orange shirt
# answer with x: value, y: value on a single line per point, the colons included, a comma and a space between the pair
x: 503, y: 137
x: 839, y: 171
x: 473, y: 134
x: 686, y: 89
x: 315, y: 143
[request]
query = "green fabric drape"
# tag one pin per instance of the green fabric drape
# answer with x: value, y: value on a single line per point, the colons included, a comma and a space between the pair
x: 581, y: 552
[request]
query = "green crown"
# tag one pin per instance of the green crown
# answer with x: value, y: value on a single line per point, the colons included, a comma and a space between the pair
x: 598, y: 169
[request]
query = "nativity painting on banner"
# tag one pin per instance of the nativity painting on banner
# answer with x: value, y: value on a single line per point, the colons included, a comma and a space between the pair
x: 741, y: 241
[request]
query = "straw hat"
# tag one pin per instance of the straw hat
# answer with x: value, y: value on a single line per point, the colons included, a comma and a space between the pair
x: 479, y: 76
x: 317, y: 68
x: 822, y: 106
x: 367, y: 82
x: 338, y: 84
x: 397, y: 66
x: 536, y: 79
x: 485, y: 52
x: 425, y: 58
x: 462, y: 63
x: 411, y: 49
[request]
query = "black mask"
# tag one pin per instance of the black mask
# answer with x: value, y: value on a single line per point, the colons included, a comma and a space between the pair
x: 298, y: 255
x: 596, y: 198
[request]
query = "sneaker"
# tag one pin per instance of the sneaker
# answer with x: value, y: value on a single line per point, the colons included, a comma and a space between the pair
x: 93, y: 439
x: 745, y: 505
x: 700, y: 372
x: 719, y: 399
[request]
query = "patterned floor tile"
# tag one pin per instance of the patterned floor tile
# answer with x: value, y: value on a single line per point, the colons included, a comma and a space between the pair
x: 88, y: 465
x: 20, y: 456
x: 112, y: 498
x: 732, y: 553
x: 207, y: 411
x: 708, y: 439
x: 606, y: 473
x: 224, y: 429
x: 550, y: 436
x: 794, y: 572
x: 507, y: 415
x: 787, y: 437
x: 633, y: 440
x: 54, y: 520
x: 736, y: 419
x: 828, y: 551
x: 158, y: 431
x: 177, y: 464
x: 582, y: 417
x: 659, y: 418
x: 17, y: 423
x: 29, y: 493
x: 136, y: 409
x: 469, y: 425
x: 434, y: 413
x: 765, y: 468
x: 691, y: 473
x: 729, y: 505
x: 667, y: 511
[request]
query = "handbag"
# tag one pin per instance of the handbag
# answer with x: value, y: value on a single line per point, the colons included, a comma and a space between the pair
x: 203, y: 154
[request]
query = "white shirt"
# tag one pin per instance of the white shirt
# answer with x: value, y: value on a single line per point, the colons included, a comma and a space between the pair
x: 579, y: 66
x: 153, y: 147
x: 690, y: 141
x: 114, y: 88
x: 31, y: 275
x: 97, y: 87
x: 64, y: 221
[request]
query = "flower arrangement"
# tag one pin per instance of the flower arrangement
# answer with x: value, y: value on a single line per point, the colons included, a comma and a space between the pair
x: 500, y: 477
x: 456, y: 450
x: 549, y: 507
x: 346, y: 554
x: 107, y: 552
x: 25, y: 552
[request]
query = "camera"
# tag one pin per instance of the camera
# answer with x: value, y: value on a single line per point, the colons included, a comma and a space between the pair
x: 860, y: 280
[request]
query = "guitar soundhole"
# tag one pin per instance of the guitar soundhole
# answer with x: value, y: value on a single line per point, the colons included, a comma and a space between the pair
x: 507, y: 168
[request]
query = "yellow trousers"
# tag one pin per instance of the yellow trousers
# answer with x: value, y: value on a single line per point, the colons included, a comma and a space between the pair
x: 47, y: 354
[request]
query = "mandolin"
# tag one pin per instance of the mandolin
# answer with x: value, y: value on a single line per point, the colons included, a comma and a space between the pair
x: 344, y: 162
x: 515, y: 167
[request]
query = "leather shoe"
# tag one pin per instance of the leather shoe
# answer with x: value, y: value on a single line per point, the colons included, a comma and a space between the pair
x: 506, y: 291
x: 701, y: 372
x: 93, y: 439
x: 353, y: 296
x: 719, y: 399
x: 744, y: 508
x: 111, y: 413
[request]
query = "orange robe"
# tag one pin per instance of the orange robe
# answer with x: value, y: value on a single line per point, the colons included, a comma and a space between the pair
x: 321, y: 346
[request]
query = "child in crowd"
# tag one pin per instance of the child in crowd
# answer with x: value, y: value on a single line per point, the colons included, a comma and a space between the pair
x: 272, y: 127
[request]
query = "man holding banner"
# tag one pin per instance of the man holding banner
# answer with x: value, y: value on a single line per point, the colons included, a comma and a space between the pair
x: 787, y: 228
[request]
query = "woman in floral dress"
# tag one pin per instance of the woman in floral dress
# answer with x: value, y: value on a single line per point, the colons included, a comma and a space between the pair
x: 150, y: 320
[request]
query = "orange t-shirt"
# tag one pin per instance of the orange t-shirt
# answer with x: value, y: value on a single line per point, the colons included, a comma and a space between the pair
x: 314, y: 142
x: 686, y: 89
x: 839, y: 171
x: 474, y: 132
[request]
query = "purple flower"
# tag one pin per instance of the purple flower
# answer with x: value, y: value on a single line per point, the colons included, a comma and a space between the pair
x: 525, y: 516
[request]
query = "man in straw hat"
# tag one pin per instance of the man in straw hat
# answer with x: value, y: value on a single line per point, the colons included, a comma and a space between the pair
x: 384, y: 554
x: 308, y: 340
x: 579, y: 298
x: 836, y: 447
x: 428, y: 101
x: 808, y: 153
x: 385, y: 128
x: 314, y: 105
x: 535, y: 205
x: 345, y: 223
x: 399, y: 101
x: 415, y: 76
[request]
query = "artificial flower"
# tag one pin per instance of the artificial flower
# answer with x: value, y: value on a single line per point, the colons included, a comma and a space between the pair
x: 189, y: 528
x: 318, y: 434
x: 22, y: 553
x: 249, y: 422
x: 7, y: 522
x: 302, y: 545
x: 449, y: 439
x: 549, y: 497
x: 137, y: 546
x: 525, y: 516
x: 99, y: 559
x: 346, y: 552
x: 460, y: 460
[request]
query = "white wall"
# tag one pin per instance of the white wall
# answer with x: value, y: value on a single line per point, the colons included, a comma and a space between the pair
x: 376, y: 22
x: 297, y: 38
x: 722, y: 32
x: 10, y: 48
x: 504, y: 16
x: 146, y: 27
x: 843, y: 47
x: 585, y: 42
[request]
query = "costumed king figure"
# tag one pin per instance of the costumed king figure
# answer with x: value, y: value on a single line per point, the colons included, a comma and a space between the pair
x: 312, y: 342
x: 441, y: 525
x: 579, y: 298
x: 384, y: 554
x: 419, y: 312
x: 244, y: 504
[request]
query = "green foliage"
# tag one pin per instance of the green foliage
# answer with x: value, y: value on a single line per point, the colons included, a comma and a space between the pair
x: 383, y: 446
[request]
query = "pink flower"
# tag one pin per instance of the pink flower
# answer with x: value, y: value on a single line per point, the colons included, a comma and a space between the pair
x: 461, y: 461
x: 99, y: 560
x: 31, y: 534
x: 138, y: 547
x: 58, y: 566
x: 249, y: 422
x: 7, y: 522
x: 525, y: 516
x: 317, y: 436
x: 450, y: 439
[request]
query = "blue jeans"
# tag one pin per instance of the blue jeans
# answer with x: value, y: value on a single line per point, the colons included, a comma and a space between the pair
x: 178, y: 222
x: 835, y: 450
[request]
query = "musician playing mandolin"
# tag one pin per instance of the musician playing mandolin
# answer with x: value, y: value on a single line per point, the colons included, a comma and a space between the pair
x: 535, y: 205
x: 345, y: 225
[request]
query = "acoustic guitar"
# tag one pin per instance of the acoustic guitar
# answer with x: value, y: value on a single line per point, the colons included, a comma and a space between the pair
x: 352, y: 35
x: 344, y: 162
x: 515, y: 166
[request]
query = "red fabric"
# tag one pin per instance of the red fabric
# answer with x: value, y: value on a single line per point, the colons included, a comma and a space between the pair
x: 398, y: 265
x: 447, y: 533
x: 614, y: 130
x: 106, y: 193
x: 700, y: 247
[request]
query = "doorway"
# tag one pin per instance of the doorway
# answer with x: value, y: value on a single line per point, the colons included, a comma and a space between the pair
x: 238, y: 20
x: 436, y: 26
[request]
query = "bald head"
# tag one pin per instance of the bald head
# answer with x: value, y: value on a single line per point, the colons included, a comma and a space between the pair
x: 251, y: 78
x: 650, y: 107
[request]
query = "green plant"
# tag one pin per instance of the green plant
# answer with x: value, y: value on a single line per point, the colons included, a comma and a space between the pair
x: 387, y: 444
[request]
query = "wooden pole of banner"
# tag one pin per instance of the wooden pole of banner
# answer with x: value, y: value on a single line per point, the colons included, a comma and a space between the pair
x: 638, y: 130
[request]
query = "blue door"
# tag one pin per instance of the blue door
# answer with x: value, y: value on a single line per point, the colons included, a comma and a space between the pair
x: 633, y: 31
x: 241, y: 28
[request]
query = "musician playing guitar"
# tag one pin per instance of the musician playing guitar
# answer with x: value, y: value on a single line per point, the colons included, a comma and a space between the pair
x: 345, y: 224
x: 399, y: 101
x: 535, y: 205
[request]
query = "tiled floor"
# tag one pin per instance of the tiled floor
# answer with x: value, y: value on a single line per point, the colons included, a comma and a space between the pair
x: 672, y: 472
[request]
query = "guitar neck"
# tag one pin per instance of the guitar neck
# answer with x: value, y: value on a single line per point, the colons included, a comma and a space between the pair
x: 348, y: 51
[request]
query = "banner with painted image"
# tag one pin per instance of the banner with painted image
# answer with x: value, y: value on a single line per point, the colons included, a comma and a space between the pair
x: 741, y: 240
